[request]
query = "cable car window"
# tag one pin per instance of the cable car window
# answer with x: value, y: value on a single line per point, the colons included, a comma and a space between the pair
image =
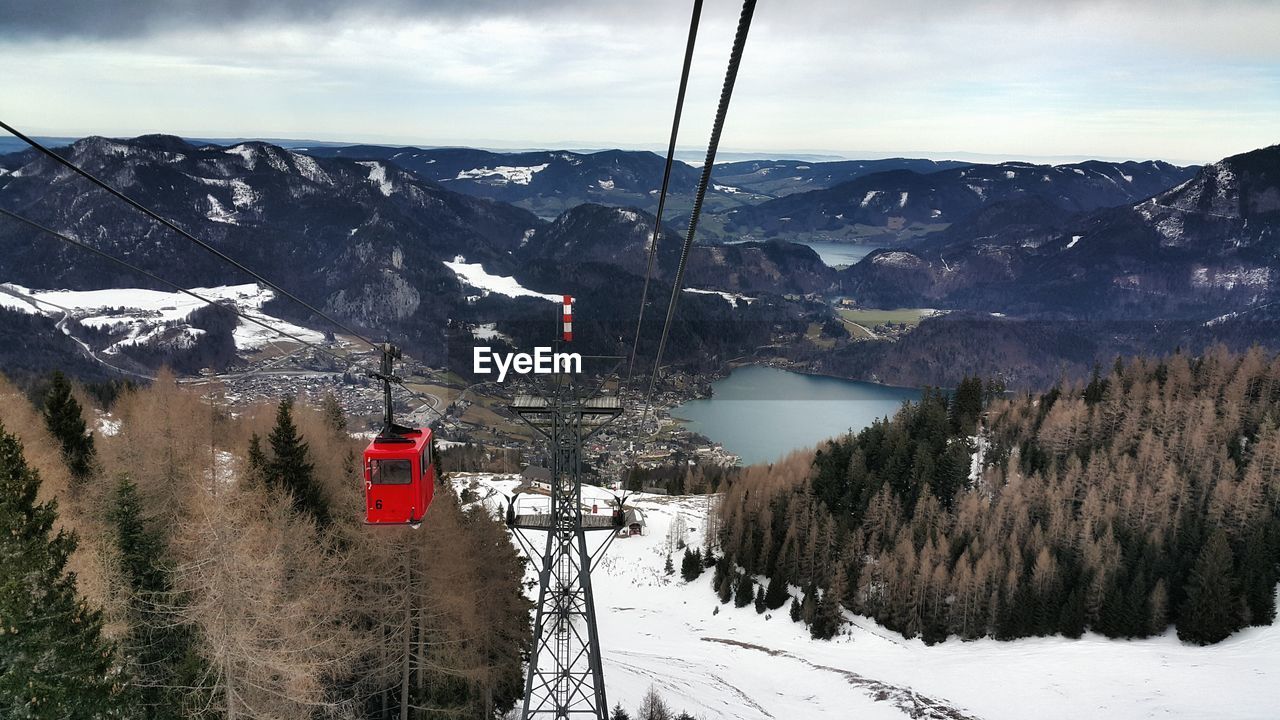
x: 392, y: 472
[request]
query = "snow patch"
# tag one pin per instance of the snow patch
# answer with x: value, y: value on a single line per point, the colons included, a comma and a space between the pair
x: 474, y: 274
x: 605, y: 184
x: 871, y: 194
x: 488, y: 331
x: 219, y: 213
x: 378, y: 176
x: 731, y: 298
x: 246, y: 153
x: 136, y: 316
x: 1074, y: 239
x: 520, y: 175
x: 902, y: 200
x: 897, y: 258
x: 1204, y: 278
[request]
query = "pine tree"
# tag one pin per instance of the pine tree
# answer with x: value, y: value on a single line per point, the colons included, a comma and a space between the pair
x: 290, y: 469
x: 1258, y: 572
x: 724, y: 589
x: 334, y: 416
x: 809, y: 606
x: 759, y: 601
x: 1211, y: 610
x: 776, y: 595
x: 691, y: 565
x: 162, y: 651
x: 64, y: 418
x: 259, y: 465
x: 795, y: 610
x: 743, y: 595
x: 53, y: 660
x: 619, y: 713
x: 669, y: 568
x: 828, y: 616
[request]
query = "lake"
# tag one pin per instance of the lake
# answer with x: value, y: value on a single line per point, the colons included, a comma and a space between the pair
x: 834, y: 254
x: 762, y: 413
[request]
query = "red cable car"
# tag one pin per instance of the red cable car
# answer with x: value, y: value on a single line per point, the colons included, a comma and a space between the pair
x: 399, y: 478
x: 399, y: 465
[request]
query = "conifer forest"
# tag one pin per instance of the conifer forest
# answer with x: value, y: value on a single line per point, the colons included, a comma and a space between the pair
x: 1146, y: 497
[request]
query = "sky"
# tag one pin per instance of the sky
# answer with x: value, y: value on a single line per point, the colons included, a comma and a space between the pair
x: 1179, y: 80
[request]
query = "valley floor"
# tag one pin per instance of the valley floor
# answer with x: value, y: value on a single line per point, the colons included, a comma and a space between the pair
x: 659, y: 631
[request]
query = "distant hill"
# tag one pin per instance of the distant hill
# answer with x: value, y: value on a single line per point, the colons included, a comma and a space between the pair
x: 898, y: 205
x: 550, y: 182
x: 545, y: 182
x: 1207, y: 247
x: 776, y: 178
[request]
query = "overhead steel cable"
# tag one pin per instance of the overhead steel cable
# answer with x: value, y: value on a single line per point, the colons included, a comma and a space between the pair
x: 666, y: 177
x: 125, y: 263
x: 167, y: 223
x: 726, y: 94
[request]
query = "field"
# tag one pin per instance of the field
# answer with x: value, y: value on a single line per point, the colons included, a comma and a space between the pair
x: 872, y: 317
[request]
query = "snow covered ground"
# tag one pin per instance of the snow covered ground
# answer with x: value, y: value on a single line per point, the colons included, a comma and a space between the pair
x: 731, y: 298
x: 657, y: 630
x: 139, y: 316
x: 475, y: 275
x: 518, y: 174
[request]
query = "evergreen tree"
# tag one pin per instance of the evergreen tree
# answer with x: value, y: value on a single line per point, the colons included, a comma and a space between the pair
x: 64, y: 418
x: 1258, y: 572
x: 743, y: 595
x: 828, y: 616
x: 691, y: 566
x: 724, y: 589
x: 1211, y: 610
x: 162, y: 652
x: 776, y: 595
x: 669, y: 568
x: 759, y: 601
x: 809, y: 606
x: 795, y: 610
x: 619, y: 713
x: 290, y: 470
x: 53, y: 661
x: 259, y: 465
x: 334, y: 416
x: 1071, y: 620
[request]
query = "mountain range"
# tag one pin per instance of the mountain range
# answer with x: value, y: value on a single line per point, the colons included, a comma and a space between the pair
x: 425, y: 244
x: 1206, y: 247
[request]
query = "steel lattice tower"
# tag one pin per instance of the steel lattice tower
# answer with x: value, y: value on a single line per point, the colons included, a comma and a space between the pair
x: 565, y: 679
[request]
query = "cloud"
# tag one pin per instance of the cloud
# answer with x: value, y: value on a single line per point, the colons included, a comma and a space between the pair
x: 51, y: 19
x: 1180, y: 79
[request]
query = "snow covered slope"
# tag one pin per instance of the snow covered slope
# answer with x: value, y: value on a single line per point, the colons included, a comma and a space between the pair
x: 138, y: 317
x: 657, y: 630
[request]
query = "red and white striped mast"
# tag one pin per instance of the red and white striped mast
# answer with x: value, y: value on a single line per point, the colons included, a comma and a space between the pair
x: 567, y: 318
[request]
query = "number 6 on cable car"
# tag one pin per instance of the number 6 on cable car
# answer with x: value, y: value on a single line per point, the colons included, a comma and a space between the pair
x: 399, y: 477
